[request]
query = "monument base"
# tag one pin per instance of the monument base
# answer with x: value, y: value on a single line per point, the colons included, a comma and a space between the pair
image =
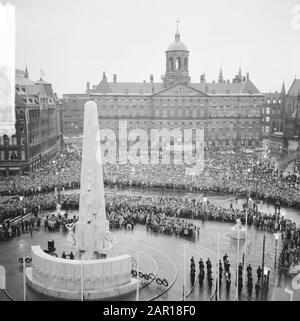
x: 65, y: 279
x: 66, y: 294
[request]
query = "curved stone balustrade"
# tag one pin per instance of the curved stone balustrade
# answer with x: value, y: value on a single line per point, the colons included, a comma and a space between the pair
x: 62, y: 278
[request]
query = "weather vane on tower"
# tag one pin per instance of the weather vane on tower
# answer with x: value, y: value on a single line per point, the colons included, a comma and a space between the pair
x: 177, y: 24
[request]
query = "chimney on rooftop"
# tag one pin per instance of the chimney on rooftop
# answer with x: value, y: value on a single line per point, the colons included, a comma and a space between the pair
x: 151, y: 79
x: 87, y: 86
x: 115, y: 78
x: 202, y: 79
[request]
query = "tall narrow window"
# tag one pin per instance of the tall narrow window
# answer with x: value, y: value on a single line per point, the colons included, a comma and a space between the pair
x: 186, y: 63
x: 178, y: 63
x: 14, y: 140
x: 171, y: 63
x: 6, y: 140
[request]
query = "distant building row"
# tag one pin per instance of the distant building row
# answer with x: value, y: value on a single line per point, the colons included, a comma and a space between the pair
x: 38, y: 127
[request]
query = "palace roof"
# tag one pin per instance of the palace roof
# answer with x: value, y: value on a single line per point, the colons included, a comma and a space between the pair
x: 146, y: 88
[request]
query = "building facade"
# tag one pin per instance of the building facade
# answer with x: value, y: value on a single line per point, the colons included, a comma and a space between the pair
x: 272, y: 113
x: 229, y: 111
x: 37, y: 127
x: 291, y: 120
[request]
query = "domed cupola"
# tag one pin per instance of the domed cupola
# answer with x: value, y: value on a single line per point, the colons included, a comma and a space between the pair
x: 177, y: 62
x: 177, y: 45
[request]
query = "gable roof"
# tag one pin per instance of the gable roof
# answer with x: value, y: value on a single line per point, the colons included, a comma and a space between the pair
x: 180, y: 87
x: 226, y: 88
x: 127, y: 87
x: 19, y: 101
x: 22, y: 81
x: 36, y: 90
x: 295, y: 88
x: 249, y: 86
x: 103, y: 86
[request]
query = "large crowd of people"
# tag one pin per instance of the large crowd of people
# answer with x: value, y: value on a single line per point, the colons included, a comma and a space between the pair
x: 290, y: 252
x: 233, y: 173
x: 236, y: 174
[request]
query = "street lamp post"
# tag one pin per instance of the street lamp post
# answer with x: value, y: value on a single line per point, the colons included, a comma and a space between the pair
x: 184, y: 272
x: 237, y: 265
x: 137, y: 276
x: 246, y: 221
x: 24, y: 278
x: 218, y: 269
x: 246, y: 243
x: 263, y: 263
x: 276, y: 235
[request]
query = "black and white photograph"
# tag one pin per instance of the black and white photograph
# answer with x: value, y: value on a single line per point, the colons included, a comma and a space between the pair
x: 150, y: 151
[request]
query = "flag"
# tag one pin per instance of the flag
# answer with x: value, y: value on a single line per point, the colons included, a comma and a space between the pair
x: 2, y: 278
x: 42, y: 73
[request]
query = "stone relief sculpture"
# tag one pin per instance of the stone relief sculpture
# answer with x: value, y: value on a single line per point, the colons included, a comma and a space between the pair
x: 71, y: 237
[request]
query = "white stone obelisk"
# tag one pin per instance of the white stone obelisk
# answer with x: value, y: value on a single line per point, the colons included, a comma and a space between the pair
x: 91, y: 226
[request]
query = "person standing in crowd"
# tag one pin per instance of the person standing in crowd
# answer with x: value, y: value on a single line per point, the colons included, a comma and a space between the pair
x: 30, y: 228
x: 259, y: 273
x: 257, y: 289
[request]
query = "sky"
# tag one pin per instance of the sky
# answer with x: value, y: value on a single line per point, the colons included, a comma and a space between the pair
x: 75, y: 41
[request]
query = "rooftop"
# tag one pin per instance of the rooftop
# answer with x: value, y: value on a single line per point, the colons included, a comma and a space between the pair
x: 295, y: 88
x: 147, y: 88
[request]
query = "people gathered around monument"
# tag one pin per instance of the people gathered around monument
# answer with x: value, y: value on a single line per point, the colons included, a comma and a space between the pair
x: 227, y: 173
x: 233, y: 174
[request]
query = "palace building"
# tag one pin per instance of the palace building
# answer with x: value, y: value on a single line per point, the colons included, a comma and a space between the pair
x: 229, y: 111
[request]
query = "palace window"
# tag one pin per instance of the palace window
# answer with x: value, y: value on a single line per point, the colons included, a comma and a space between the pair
x: 195, y: 111
x: 14, y: 140
x: 178, y: 64
x: 171, y: 63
